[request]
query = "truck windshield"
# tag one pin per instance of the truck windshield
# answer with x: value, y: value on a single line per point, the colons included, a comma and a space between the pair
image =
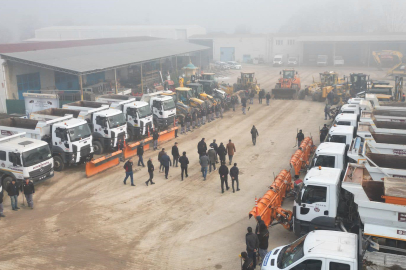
x: 116, y: 120
x: 337, y: 138
x: 291, y: 253
x: 168, y: 104
x: 79, y: 132
x: 324, y: 161
x: 144, y: 111
x: 35, y: 156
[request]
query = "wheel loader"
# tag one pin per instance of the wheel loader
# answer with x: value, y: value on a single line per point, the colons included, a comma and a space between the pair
x: 329, y: 81
x: 247, y: 81
x: 288, y: 85
x: 185, y: 101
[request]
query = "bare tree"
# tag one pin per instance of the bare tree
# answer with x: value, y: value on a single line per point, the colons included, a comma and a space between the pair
x: 394, y: 16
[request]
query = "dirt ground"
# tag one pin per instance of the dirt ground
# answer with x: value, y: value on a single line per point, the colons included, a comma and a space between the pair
x: 99, y: 223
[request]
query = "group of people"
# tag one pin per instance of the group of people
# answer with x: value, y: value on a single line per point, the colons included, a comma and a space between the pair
x: 256, y: 243
x: 199, y: 117
x: 250, y: 94
x: 13, y: 191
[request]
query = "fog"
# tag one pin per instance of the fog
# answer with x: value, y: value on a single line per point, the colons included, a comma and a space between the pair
x: 19, y: 18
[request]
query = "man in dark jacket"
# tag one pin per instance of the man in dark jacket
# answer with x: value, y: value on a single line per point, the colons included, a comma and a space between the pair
x: 234, y: 176
x: 252, y: 95
x: 263, y: 237
x: 155, y: 137
x: 323, y: 133
x: 182, y: 125
x: 194, y: 119
x: 222, y: 152
x: 199, y: 118
x: 268, y: 98
x: 327, y: 109
x: 204, y: 163
x: 254, y: 134
x: 175, y: 155
x: 13, y: 192
x: 234, y: 101
x: 150, y: 171
x: 260, y: 225
x: 243, y: 104
x: 201, y: 147
x: 261, y: 95
x: 184, y: 161
x: 1, y: 202
x: 128, y: 167
x: 188, y: 120
x: 28, y: 188
x: 252, y: 243
x: 166, y: 162
x: 204, y: 116
x: 300, y: 138
x: 215, y: 147
x: 160, y: 154
x: 212, y: 158
x: 140, y: 153
x: 223, y: 171
x: 248, y: 264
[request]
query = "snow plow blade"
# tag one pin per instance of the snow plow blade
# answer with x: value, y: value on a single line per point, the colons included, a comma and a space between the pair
x: 167, y: 135
x: 300, y: 158
x: 284, y: 93
x: 130, y: 150
x: 101, y: 164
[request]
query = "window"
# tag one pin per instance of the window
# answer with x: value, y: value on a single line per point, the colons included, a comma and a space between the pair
x: 291, y: 42
x: 313, y: 194
x: 325, y: 161
x: 339, y: 266
x: 308, y: 265
x: 3, y: 155
x: 279, y: 42
x: 337, y: 139
x: 13, y: 157
x: 344, y: 123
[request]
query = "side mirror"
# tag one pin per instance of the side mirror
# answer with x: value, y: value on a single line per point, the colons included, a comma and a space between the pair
x: 106, y: 131
x: 66, y: 145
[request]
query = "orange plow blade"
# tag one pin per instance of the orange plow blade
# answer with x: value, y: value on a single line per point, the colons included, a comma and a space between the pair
x: 130, y: 150
x: 101, y: 164
x: 301, y: 157
x: 167, y: 135
x: 269, y: 206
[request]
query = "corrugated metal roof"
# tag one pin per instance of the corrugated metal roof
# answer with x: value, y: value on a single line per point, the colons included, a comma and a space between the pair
x: 88, y: 59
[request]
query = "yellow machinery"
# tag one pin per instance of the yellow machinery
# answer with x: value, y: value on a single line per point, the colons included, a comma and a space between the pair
x: 247, y: 81
x: 329, y: 81
x: 200, y: 94
x: 185, y: 101
x: 392, y: 59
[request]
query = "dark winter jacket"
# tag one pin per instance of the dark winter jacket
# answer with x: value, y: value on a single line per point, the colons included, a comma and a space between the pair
x: 222, y: 151
x: 27, y: 188
x: 150, y: 166
x: 13, y: 189
x: 140, y: 150
x: 128, y: 166
x: 194, y: 116
x: 223, y: 171
x: 199, y: 114
x: 160, y: 154
x: 300, y: 136
x: 254, y: 132
x: 188, y: 118
x: 248, y: 264
x: 175, y: 151
x: 234, y: 172
x: 204, y: 161
x: 214, y: 145
x: 244, y: 102
x: 268, y: 96
x: 262, y: 94
x: 263, y: 238
x: 324, y: 131
x: 184, y: 161
x: 212, y: 155
x: 252, y: 94
x: 166, y: 160
x: 155, y: 135
x: 201, y: 147
x: 251, y: 241
x: 1, y: 195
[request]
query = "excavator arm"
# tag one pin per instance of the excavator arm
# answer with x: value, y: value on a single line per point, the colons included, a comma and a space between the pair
x: 379, y: 54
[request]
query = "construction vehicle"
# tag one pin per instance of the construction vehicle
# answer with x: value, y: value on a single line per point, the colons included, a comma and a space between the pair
x: 300, y: 159
x: 69, y: 139
x: 277, y: 60
x: 199, y: 93
x: 358, y: 83
x: 185, y: 100
x: 247, y: 81
x: 331, y: 155
x: 163, y: 108
x: 208, y: 81
x: 288, y: 85
x: 341, y: 134
x: 346, y: 120
x: 108, y: 126
x: 391, y: 59
x: 329, y: 81
x: 137, y: 113
x: 24, y: 158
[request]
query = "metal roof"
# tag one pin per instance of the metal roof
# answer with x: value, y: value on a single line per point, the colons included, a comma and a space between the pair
x: 90, y: 59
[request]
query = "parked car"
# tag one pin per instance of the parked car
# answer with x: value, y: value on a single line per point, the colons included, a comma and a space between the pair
x: 338, y: 61
x: 234, y: 65
x: 222, y: 65
x: 322, y: 60
x: 293, y: 61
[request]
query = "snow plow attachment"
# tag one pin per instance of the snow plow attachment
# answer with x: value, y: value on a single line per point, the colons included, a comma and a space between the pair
x: 284, y: 93
x: 167, y: 135
x: 101, y: 164
x: 269, y: 206
x: 300, y: 158
x: 130, y: 150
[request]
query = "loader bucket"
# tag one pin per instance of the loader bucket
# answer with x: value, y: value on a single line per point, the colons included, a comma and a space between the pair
x: 101, y: 164
x: 130, y: 150
x: 284, y: 93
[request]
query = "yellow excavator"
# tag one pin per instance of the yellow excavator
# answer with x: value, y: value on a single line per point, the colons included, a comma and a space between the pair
x: 391, y: 59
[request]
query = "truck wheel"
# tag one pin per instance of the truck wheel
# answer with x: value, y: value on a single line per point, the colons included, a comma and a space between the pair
x: 98, y: 148
x: 6, y: 181
x: 58, y: 164
x: 302, y: 94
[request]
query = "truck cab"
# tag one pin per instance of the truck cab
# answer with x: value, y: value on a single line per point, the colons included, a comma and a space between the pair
x: 322, y: 60
x: 331, y: 155
x: 341, y: 134
x: 344, y: 119
x: 277, y: 60
x: 350, y: 109
x: 22, y: 158
x: 163, y: 110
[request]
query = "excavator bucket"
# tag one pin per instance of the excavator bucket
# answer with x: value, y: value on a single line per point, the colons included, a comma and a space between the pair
x: 101, y: 164
x: 130, y: 150
x: 284, y: 93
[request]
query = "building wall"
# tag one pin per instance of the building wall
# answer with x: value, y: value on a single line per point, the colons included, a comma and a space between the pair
x: 253, y: 46
x: 3, y: 92
x: 287, y: 46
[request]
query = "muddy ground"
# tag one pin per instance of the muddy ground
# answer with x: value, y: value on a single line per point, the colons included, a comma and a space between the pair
x: 99, y: 223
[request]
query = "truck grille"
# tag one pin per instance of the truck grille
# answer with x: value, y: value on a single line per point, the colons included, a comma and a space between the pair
x: 85, y: 150
x: 41, y: 171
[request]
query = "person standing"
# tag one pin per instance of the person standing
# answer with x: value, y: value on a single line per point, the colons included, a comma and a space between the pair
x: 188, y: 119
x: 160, y: 154
x: 128, y: 167
x: 234, y: 100
x: 199, y: 118
x: 243, y: 104
x: 222, y: 152
x: 218, y: 110
x: 215, y: 147
x: 234, y: 176
x: 268, y: 98
x: 223, y: 171
x: 212, y: 158
x: 252, y: 95
x: 263, y: 238
x: 261, y: 96
x: 204, y: 114
x: 204, y: 162
x: 28, y: 188
x: 182, y: 125
x: 300, y: 138
x: 254, y: 134
x: 150, y: 171
x: 175, y: 155
x: 323, y: 133
x: 13, y: 192
x: 230, y: 150
x: 252, y: 243
x: 330, y: 97
x: 155, y: 137
x: 327, y: 111
x: 166, y: 162
x: 184, y: 161
x: 1, y: 202
x: 201, y: 147
x: 248, y: 264
x: 194, y: 119
x: 221, y: 109
x: 140, y: 153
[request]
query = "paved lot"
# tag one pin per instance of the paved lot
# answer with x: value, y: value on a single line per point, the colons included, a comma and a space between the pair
x: 98, y: 223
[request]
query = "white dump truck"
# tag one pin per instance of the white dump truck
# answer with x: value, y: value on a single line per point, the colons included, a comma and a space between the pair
x: 365, y: 129
x: 345, y: 119
x: 137, y: 113
x: 108, y: 126
x: 383, y: 115
x: 341, y: 134
x: 69, y: 139
x: 163, y: 109
x: 22, y: 158
x: 331, y: 155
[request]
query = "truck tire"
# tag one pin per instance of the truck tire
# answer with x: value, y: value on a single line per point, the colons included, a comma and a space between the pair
x: 6, y: 181
x: 58, y: 164
x: 302, y: 94
x: 98, y: 148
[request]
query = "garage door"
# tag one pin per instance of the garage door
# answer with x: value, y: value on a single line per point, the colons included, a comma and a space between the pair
x: 227, y: 54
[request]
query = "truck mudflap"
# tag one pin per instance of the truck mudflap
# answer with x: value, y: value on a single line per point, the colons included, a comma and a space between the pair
x: 285, y: 93
x: 101, y: 164
x: 130, y: 150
